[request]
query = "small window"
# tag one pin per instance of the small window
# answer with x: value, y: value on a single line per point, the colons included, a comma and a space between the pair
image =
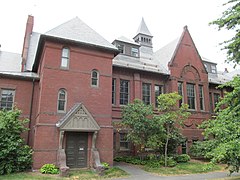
x: 124, y: 92
x: 124, y: 143
x: 95, y: 78
x: 65, y: 58
x: 191, y: 96
x: 146, y: 93
x: 7, y: 99
x: 216, y: 98
x: 158, y: 91
x: 120, y: 48
x: 180, y: 92
x: 62, y: 98
x: 114, y: 91
x: 213, y: 69
x: 134, y: 52
x: 201, y: 97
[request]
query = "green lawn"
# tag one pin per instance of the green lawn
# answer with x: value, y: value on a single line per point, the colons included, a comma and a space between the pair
x: 183, y: 168
x: 74, y: 175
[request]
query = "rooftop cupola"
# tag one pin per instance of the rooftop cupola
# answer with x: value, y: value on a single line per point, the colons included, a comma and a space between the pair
x: 143, y: 37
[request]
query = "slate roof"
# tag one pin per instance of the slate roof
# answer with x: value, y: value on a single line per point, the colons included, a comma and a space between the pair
x: 33, y: 45
x: 126, y: 40
x: 10, y: 61
x: 122, y: 60
x: 218, y: 78
x: 165, y: 54
x: 77, y: 30
x: 143, y: 29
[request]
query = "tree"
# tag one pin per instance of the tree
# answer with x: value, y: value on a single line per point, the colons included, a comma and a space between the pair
x: 137, y: 117
x: 230, y: 20
x: 223, y: 132
x: 15, y: 156
x: 171, y: 116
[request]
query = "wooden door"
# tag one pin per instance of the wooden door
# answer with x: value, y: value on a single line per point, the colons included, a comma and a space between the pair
x: 76, y: 149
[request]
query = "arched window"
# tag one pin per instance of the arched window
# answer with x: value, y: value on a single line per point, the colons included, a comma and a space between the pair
x: 95, y: 78
x: 65, y: 57
x: 62, y: 100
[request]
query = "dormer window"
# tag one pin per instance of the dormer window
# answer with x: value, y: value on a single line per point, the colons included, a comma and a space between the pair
x: 134, y: 52
x: 120, y: 48
x: 213, y: 69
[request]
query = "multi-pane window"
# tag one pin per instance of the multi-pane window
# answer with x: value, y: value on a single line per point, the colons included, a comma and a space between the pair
x: 7, y: 99
x: 124, y: 143
x: 124, y: 92
x: 191, y: 96
x: 62, y: 98
x: 65, y: 58
x: 213, y: 69
x: 113, y: 91
x: 146, y: 93
x: 210, y: 100
x: 184, y: 147
x: 120, y: 48
x: 180, y: 92
x: 216, y: 97
x: 94, y: 78
x: 201, y: 97
x: 158, y: 91
x: 134, y: 52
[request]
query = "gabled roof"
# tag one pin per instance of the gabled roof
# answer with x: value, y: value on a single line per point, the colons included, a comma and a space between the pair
x: 142, y: 29
x: 10, y: 62
x: 141, y: 64
x: 165, y: 54
x: 77, y: 30
x: 78, y: 119
x: 126, y: 40
x: 33, y: 45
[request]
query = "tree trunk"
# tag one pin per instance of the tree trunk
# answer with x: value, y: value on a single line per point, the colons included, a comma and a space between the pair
x: 166, y: 146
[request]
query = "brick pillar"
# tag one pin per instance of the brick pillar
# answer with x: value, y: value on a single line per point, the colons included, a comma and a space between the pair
x: 137, y: 86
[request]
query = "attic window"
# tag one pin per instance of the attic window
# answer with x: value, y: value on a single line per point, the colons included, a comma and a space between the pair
x: 120, y: 48
x: 213, y: 69
x: 65, y: 58
x: 134, y: 52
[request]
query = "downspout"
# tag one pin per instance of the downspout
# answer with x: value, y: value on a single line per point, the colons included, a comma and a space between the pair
x: 30, y: 114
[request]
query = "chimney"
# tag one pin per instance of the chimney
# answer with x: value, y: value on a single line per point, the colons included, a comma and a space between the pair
x: 225, y: 71
x: 26, y: 42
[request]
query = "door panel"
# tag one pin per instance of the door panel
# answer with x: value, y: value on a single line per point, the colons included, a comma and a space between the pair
x: 76, y: 150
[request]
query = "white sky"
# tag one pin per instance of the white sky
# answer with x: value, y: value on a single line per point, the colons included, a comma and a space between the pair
x: 111, y: 19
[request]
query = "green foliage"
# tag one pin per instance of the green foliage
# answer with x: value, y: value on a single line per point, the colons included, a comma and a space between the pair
x: 171, y: 117
x: 183, y: 158
x: 49, y: 169
x: 143, y: 129
x: 230, y: 21
x: 105, y: 165
x: 223, y: 132
x: 15, y: 156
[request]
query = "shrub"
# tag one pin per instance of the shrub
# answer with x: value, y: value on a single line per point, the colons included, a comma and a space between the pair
x: 183, y: 158
x: 15, y: 156
x: 171, y: 162
x: 49, y: 169
x: 105, y: 165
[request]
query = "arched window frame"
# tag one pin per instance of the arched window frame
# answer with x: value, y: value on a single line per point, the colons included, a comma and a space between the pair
x: 62, y: 108
x: 94, y: 78
x: 65, y: 58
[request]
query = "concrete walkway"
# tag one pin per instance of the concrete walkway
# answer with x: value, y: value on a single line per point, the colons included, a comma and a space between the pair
x: 139, y: 174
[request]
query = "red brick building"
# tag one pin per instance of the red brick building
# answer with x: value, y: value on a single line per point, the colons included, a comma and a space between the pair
x: 71, y: 83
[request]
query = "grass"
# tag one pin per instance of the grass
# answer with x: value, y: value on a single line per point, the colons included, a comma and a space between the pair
x: 73, y: 175
x: 191, y: 167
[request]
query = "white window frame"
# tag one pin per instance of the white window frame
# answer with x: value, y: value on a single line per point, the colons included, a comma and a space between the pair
x: 94, y: 78
x: 65, y: 57
x: 7, y: 102
x: 65, y: 101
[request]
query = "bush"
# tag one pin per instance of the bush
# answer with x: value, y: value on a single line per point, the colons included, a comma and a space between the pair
x: 15, y: 156
x: 49, y: 169
x: 171, y: 162
x: 183, y: 158
x: 105, y: 165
